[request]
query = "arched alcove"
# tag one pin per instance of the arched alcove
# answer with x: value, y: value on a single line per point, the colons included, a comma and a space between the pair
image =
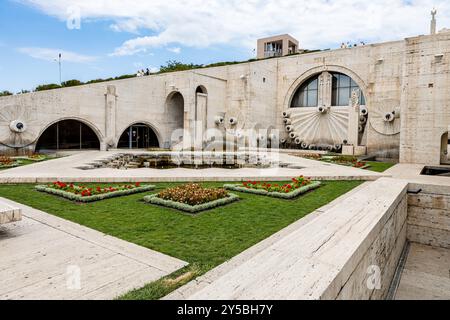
x: 138, y: 136
x: 174, y: 114
x: 68, y: 134
x: 201, y: 89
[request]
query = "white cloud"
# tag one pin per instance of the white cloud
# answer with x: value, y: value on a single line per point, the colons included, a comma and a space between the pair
x: 176, y: 50
x: 317, y: 24
x: 49, y: 54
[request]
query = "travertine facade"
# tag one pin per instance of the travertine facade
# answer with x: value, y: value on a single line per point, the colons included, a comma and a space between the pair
x: 405, y: 112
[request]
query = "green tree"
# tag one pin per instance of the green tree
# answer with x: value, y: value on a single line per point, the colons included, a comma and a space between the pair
x: 50, y: 86
x: 5, y: 93
x: 125, y: 76
x: 173, y: 66
x: 71, y: 83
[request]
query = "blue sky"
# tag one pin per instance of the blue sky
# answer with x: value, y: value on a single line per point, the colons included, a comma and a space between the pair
x: 119, y: 37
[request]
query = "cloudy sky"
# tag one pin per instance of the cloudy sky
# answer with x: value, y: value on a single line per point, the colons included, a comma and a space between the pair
x: 104, y: 38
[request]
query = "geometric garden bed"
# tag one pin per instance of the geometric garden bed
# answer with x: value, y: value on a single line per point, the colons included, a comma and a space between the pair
x: 292, y: 190
x: 154, y: 199
x: 83, y: 193
x: 192, y: 198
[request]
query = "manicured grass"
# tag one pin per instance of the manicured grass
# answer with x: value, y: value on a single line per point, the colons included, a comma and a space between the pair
x: 24, y: 162
x: 204, y: 240
x: 379, y: 166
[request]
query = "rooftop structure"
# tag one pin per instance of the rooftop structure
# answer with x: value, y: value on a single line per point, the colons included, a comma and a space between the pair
x: 277, y: 46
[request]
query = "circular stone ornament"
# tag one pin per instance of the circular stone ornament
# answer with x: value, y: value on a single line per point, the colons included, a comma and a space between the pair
x: 384, y: 120
x: 18, y: 126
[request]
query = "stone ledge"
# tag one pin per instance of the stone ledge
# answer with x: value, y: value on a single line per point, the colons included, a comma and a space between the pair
x: 9, y: 214
x: 317, y: 260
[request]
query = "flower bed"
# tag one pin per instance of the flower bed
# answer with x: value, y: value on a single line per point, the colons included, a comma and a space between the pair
x: 192, y: 198
x: 291, y: 190
x: 36, y: 157
x: 81, y: 193
x: 349, y: 161
x: 8, y: 162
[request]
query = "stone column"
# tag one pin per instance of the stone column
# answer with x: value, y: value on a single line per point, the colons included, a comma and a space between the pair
x: 201, y: 107
x: 325, y: 87
x: 353, y: 119
x: 110, y: 120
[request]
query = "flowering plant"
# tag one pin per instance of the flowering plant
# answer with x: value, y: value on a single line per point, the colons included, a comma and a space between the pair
x: 85, y: 191
x: 5, y: 160
x: 275, y: 187
x: 312, y: 156
x: 82, y: 193
x: 192, y: 194
x: 296, y: 187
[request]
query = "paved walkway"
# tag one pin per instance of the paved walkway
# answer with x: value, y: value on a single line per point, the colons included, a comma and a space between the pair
x: 426, y: 275
x: 411, y: 173
x: 41, y: 256
x: 65, y: 169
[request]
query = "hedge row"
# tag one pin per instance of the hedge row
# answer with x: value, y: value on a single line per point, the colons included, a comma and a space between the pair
x: 313, y: 185
x: 97, y: 197
x: 154, y: 199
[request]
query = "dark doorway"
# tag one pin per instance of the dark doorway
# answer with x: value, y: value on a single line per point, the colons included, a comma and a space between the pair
x: 138, y: 136
x: 68, y: 135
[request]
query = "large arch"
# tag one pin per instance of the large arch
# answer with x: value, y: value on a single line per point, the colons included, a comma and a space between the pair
x: 328, y: 68
x: 139, y: 135
x: 69, y: 134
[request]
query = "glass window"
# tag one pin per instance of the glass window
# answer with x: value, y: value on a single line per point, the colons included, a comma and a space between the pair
x: 342, y: 89
x: 307, y: 95
x: 68, y: 135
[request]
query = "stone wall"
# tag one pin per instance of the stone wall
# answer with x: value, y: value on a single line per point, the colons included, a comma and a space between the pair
x: 334, y: 255
x: 429, y: 215
x: 426, y: 98
x: 412, y: 74
x: 378, y: 260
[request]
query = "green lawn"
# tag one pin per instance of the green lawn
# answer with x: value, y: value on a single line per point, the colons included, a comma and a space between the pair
x: 24, y: 162
x: 205, y: 240
x: 379, y: 166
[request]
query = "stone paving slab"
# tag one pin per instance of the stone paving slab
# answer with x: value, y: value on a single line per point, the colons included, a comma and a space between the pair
x: 65, y: 169
x: 426, y: 275
x: 411, y: 173
x: 38, y: 254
